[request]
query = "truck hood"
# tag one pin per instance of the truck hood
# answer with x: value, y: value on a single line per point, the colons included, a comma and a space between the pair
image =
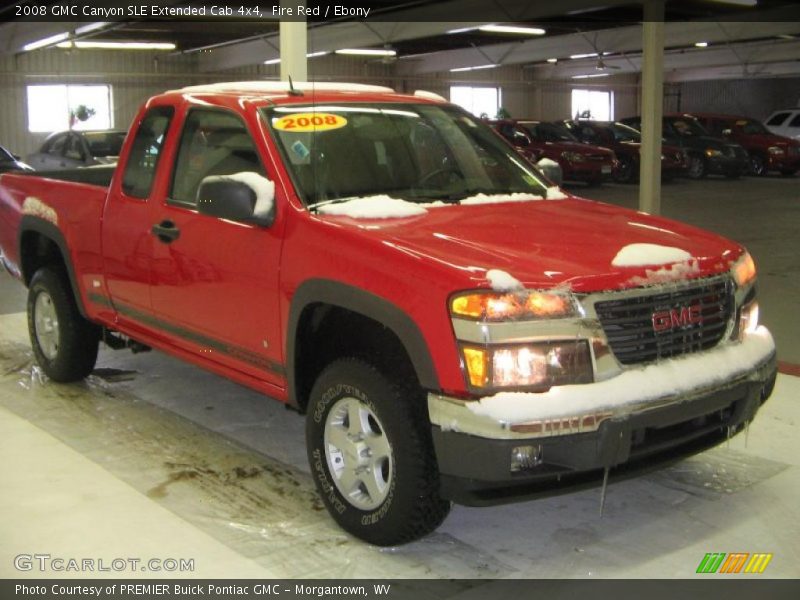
x: 548, y: 243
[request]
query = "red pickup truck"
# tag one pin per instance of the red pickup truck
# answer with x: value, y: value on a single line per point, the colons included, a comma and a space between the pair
x: 453, y: 328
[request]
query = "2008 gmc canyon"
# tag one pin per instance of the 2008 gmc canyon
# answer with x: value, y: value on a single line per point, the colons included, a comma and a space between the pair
x: 453, y: 327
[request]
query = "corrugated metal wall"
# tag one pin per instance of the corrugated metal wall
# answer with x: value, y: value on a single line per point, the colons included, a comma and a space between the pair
x: 134, y: 76
x: 749, y: 97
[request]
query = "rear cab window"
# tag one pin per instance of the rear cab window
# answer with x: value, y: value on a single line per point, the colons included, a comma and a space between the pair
x: 137, y: 180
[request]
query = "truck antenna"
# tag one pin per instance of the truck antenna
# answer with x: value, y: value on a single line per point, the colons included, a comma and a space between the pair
x: 292, y: 91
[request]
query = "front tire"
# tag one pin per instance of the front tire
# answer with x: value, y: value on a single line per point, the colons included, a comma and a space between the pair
x: 697, y: 168
x: 758, y: 165
x: 371, y: 455
x: 64, y: 343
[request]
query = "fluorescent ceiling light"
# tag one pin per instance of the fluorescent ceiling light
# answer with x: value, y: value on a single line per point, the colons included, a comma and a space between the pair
x: 462, y: 30
x: 701, y: 44
x: 513, y: 29
x: 786, y: 36
x: 478, y: 68
x: 552, y: 60
x: 84, y: 29
x: 738, y: 2
x: 366, y: 52
x: 316, y: 54
x: 272, y: 61
x: 48, y: 41
x: 592, y: 76
x: 118, y: 45
x: 587, y: 55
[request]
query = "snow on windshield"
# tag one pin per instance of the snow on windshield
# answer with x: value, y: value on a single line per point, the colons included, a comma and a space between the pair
x: 373, y: 207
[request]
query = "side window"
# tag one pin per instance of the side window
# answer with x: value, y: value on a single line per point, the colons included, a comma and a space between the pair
x: 140, y: 171
x: 74, y: 149
x: 778, y: 119
x: 213, y: 142
x: 795, y: 122
x: 56, y: 145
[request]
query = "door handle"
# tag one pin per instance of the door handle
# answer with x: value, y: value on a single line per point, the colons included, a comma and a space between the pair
x: 166, y: 231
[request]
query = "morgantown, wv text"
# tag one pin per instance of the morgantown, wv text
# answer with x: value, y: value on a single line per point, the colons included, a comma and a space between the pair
x: 211, y: 590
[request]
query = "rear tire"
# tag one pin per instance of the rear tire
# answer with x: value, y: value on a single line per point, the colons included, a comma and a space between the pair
x: 371, y: 455
x: 64, y: 343
x: 625, y: 172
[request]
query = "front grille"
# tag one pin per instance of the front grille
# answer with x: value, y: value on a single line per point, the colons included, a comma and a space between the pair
x: 629, y: 322
x: 597, y: 157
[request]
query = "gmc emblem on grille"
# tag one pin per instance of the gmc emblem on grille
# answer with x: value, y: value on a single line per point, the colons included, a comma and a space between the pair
x: 664, y: 320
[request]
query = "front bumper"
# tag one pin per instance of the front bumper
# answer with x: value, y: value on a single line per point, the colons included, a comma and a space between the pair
x: 726, y: 165
x: 474, y: 451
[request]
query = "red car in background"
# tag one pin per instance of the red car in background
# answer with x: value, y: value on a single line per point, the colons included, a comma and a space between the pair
x: 768, y: 151
x: 626, y: 143
x: 578, y: 161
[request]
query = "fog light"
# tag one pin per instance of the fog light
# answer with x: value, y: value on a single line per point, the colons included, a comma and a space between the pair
x: 748, y: 319
x: 524, y: 458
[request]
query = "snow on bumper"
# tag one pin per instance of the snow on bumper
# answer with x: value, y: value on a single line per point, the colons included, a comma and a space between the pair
x: 582, y: 408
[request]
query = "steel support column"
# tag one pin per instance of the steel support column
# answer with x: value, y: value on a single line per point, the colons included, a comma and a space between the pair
x: 652, y: 106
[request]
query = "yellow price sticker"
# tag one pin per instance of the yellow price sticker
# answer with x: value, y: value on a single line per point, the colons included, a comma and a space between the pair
x: 309, y: 122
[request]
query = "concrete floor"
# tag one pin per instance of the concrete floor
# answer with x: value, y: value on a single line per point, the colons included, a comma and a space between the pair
x: 152, y: 458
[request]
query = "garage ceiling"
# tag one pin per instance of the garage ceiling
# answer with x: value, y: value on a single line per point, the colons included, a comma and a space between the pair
x: 743, y: 41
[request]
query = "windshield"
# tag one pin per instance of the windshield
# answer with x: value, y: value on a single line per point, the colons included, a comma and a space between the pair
x: 414, y: 152
x: 749, y: 127
x: 688, y: 127
x: 549, y: 132
x: 5, y: 156
x: 105, y: 143
x: 623, y: 133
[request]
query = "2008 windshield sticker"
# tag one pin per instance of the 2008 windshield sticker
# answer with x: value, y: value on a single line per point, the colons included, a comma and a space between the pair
x: 309, y: 122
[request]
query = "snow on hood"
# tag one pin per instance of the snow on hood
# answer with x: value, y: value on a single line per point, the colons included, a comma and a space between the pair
x: 502, y: 281
x: 495, y: 198
x: 555, y: 193
x: 643, y: 255
x: 664, y: 379
x: 547, y: 162
x: 263, y: 188
x: 373, y: 207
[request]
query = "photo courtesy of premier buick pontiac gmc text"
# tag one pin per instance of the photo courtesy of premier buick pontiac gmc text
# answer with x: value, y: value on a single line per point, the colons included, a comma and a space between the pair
x: 453, y: 326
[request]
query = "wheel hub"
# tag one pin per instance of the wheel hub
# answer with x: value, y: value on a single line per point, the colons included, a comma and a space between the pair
x: 46, y: 325
x: 358, y: 453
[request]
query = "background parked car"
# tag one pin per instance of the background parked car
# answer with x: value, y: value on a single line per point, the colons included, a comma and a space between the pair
x: 768, y: 151
x: 11, y: 162
x: 626, y: 143
x: 706, y: 153
x: 71, y: 149
x: 785, y: 122
x: 578, y: 161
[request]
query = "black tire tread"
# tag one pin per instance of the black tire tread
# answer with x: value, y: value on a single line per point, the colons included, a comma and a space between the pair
x: 429, y: 510
x: 79, y: 338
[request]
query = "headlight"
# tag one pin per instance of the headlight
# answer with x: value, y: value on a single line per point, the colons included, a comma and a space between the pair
x: 744, y: 270
x: 572, y: 156
x: 748, y: 319
x: 713, y: 152
x: 775, y: 150
x: 534, y: 366
x: 512, y: 306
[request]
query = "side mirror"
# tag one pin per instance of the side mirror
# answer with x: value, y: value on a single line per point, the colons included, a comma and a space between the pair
x: 520, y: 139
x: 246, y: 197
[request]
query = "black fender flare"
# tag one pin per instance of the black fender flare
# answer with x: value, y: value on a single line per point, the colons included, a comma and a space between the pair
x: 48, y: 230
x: 335, y: 293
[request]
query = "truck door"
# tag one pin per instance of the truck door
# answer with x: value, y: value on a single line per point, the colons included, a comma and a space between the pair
x: 127, y: 219
x: 215, y: 282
